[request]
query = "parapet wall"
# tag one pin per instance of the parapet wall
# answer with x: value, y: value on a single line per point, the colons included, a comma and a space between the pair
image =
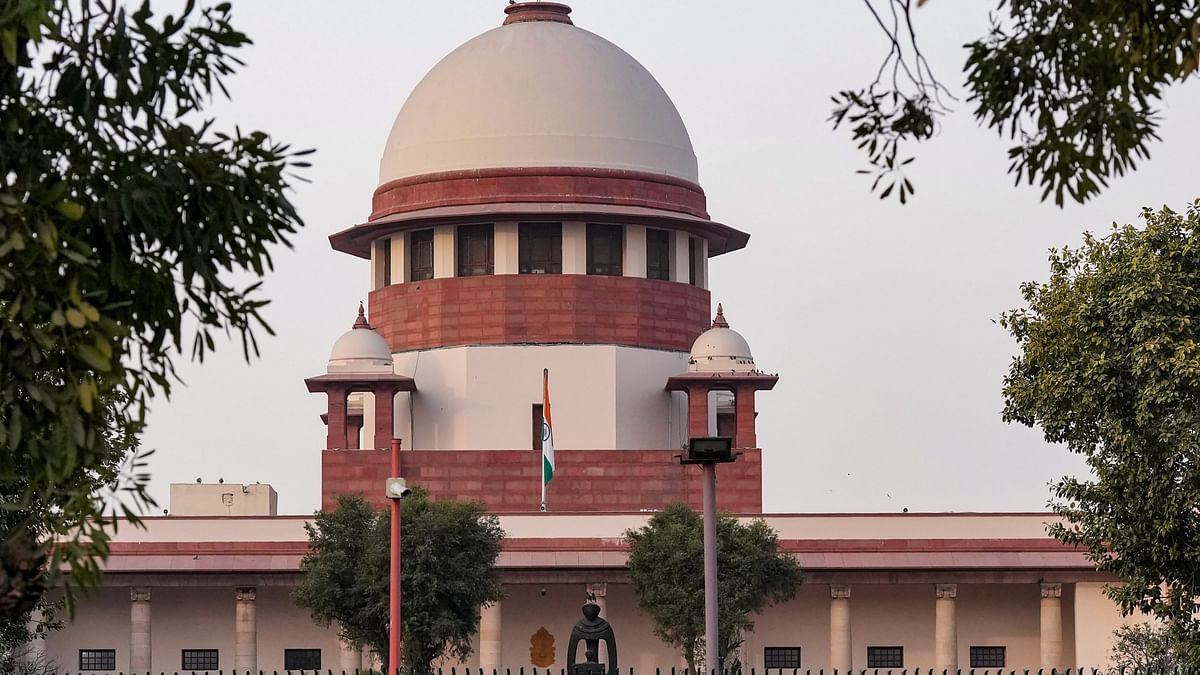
x: 507, y: 481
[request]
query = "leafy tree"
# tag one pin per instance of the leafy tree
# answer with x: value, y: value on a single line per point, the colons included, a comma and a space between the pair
x: 19, y: 641
x: 1109, y: 364
x: 666, y: 566
x: 1145, y: 647
x: 122, y: 211
x: 448, y: 571
x: 1076, y: 85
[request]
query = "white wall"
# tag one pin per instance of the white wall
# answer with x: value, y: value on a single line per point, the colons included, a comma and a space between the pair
x: 480, y: 397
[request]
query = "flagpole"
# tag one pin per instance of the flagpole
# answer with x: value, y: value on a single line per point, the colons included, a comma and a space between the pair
x: 542, y: 455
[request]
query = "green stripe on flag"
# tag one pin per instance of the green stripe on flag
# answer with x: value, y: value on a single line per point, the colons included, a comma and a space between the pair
x: 547, y: 469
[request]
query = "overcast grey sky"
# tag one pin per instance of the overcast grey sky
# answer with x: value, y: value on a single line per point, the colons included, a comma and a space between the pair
x: 879, y: 318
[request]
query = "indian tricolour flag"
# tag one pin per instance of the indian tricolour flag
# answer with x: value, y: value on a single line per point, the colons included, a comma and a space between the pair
x: 547, y: 436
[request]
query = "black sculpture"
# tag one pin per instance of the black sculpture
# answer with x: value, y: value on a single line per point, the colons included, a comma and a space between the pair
x: 592, y: 629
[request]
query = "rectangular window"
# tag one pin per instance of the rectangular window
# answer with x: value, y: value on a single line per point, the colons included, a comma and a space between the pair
x: 420, y: 255
x: 476, y: 252
x: 781, y: 657
x: 302, y: 659
x: 605, y: 249
x: 97, y: 659
x: 537, y: 426
x: 692, y: 260
x: 540, y: 248
x: 200, y: 659
x: 987, y: 657
x: 387, y: 261
x: 658, y: 254
x: 885, y: 657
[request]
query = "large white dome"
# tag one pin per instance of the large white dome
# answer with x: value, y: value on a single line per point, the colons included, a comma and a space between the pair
x: 538, y: 94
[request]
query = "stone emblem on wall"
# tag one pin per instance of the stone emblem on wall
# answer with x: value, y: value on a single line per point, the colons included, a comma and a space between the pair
x: 541, y: 648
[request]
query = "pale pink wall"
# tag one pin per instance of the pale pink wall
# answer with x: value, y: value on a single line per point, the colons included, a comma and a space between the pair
x: 282, y: 625
x: 803, y: 622
x: 101, y: 622
x: 891, y: 615
x: 191, y: 618
x: 999, y: 615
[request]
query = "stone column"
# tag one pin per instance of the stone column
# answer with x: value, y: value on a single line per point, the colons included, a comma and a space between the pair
x: 1051, y: 626
x: 385, y: 426
x: 245, y: 626
x: 945, y: 626
x: 349, y: 656
x: 491, y: 655
x: 743, y: 408
x: 34, y: 653
x: 139, y: 630
x: 697, y: 410
x: 335, y: 419
x: 598, y: 592
x: 841, y: 654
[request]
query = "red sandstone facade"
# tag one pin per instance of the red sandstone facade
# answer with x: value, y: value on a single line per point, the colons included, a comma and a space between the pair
x: 550, y: 308
x: 507, y: 481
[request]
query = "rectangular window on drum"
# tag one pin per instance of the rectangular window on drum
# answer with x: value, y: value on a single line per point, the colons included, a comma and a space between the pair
x: 658, y: 254
x: 302, y: 659
x: 539, y: 248
x: 537, y: 426
x: 420, y: 255
x: 97, y: 659
x: 476, y: 252
x: 885, y: 657
x: 605, y: 249
x: 781, y: 657
x: 987, y: 657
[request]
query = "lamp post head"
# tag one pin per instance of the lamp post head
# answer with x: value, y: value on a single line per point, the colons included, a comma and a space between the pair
x: 396, y: 488
x: 708, y: 450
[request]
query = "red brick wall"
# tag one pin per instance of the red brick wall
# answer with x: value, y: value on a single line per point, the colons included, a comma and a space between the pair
x: 584, y: 480
x: 542, y: 308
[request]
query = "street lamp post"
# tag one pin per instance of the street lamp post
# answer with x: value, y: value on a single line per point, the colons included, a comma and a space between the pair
x: 395, y: 489
x: 708, y: 452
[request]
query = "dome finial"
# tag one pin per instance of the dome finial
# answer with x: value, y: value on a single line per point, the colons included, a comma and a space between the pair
x: 518, y: 12
x: 361, y: 321
x: 719, y: 321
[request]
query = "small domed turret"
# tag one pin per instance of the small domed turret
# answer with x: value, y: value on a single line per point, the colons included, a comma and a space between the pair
x: 721, y: 349
x: 360, y: 349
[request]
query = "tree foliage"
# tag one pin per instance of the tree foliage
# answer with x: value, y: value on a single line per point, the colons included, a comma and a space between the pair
x: 1143, y: 647
x: 1109, y: 364
x: 124, y: 216
x: 1076, y: 86
x: 448, y: 552
x: 666, y: 566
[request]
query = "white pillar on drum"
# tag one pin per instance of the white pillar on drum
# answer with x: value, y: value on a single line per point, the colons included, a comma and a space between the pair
x: 139, y: 630
x: 245, y: 625
x: 598, y: 593
x: 491, y: 654
x: 841, y: 655
x: 945, y: 626
x: 349, y: 656
x: 1051, y: 641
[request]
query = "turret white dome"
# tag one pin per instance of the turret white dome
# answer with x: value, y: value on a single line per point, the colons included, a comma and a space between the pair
x: 538, y: 93
x: 360, y: 349
x: 721, y: 349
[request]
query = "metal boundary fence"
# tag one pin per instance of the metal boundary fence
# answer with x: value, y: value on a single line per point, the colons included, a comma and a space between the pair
x: 677, y: 671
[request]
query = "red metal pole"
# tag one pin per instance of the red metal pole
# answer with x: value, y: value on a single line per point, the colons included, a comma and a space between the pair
x: 394, y: 604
